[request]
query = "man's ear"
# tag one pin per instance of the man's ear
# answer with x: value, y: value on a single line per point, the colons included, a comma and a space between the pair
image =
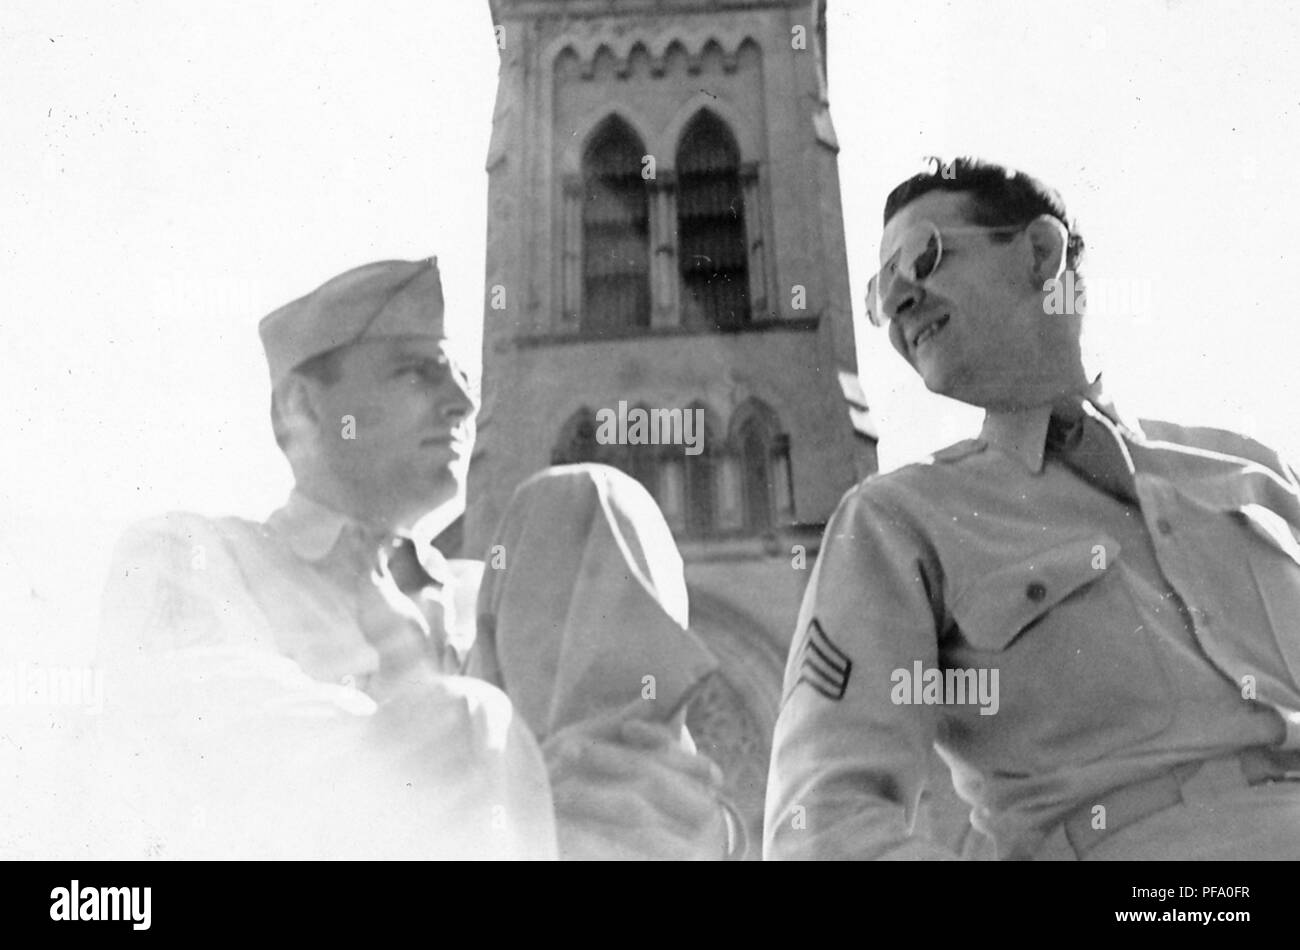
x: 299, y: 407
x: 1048, y: 239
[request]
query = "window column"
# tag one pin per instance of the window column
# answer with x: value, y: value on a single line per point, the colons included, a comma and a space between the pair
x: 755, y: 241
x: 663, y: 267
x: 571, y: 253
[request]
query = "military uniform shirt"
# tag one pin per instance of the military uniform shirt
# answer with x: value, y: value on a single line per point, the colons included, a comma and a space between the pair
x: 1126, y: 638
x: 232, y: 641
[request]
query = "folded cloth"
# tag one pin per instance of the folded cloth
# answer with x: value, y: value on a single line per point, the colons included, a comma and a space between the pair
x: 583, y: 608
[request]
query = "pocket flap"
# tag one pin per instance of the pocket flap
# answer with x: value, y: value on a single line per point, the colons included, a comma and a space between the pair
x: 997, y: 606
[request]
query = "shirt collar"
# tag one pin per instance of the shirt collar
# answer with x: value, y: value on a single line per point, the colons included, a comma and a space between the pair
x: 312, y: 531
x: 310, y: 528
x: 1022, y: 433
x: 433, y: 561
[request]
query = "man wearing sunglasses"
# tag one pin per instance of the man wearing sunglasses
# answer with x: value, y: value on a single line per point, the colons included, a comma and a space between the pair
x: 1093, y: 619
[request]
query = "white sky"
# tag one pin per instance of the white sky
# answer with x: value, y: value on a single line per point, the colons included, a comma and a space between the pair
x: 173, y: 172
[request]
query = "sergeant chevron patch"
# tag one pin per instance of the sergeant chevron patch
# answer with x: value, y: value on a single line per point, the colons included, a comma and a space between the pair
x: 823, y: 665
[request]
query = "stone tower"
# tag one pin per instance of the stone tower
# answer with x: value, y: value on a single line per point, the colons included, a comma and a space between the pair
x: 665, y: 232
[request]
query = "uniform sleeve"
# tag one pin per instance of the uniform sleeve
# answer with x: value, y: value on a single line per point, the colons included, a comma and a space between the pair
x: 448, y: 771
x: 214, y: 745
x: 181, y: 633
x: 173, y: 583
x: 848, y: 764
x: 205, y: 722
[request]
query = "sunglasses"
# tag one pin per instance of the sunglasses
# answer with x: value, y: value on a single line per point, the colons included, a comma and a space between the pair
x: 916, y: 258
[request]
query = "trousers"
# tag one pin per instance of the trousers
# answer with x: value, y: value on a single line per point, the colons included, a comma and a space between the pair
x: 1221, y: 818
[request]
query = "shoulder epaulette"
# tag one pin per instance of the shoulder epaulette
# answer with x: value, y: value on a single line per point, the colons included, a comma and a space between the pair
x: 960, y: 450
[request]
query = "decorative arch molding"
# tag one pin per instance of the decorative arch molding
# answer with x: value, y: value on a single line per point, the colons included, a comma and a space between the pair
x: 756, y: 394
x: 733, y: 718
x: 760, y: 446
x: 663, y: 144
x: 743, y: 646
x: 656, y: 46
x: 565, y: 61
x: 712, y: 421
x: 754, y: 409
x: 571, y: 160
x: 742, y: 130
x: 575, y: 420
x: 569, y: 443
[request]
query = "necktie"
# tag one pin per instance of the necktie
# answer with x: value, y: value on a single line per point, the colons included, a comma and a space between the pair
x: 409, y: 639
x: 428, y: 591
x: 404, y: 564
x: 1091, y: 449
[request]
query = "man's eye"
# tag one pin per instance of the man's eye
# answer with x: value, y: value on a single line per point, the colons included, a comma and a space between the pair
x: 426, y: 371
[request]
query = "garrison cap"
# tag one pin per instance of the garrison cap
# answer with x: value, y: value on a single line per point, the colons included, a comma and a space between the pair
x: 377, y: 301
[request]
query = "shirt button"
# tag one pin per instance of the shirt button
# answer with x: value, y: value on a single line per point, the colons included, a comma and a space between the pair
x: 1036, y: 591
x: 1164, y: 527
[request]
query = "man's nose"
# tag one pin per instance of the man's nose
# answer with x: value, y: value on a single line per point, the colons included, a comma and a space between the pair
x: 902, y: 297
x: 456, y: 401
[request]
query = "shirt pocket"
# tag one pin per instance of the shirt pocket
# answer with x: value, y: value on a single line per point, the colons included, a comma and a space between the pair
x: 1078, y: 674
x: 1001, y: 605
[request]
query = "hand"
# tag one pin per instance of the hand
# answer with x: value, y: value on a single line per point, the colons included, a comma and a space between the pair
x: 625, y: 789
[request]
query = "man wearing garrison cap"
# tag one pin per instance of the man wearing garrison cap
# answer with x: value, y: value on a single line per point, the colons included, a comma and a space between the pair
x: 321, y: 650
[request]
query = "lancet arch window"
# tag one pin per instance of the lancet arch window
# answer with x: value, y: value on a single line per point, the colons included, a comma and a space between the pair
x: 615, y: 232
x: 712, y: 256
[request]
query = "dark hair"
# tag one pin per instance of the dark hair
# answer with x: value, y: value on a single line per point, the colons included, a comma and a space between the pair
x: 999, y: 196
x: 323, y: 368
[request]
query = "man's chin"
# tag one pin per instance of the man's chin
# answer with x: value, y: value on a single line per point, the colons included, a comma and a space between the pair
x: 954, y: 385
x: 435, y: 507
x: 446, y: 488
x: 427, y: 488
x: 937, y: 379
